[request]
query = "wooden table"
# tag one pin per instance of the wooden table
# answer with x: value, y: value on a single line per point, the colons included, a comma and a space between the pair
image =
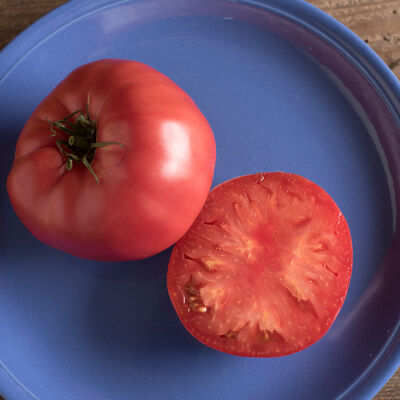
x: 375, y: 21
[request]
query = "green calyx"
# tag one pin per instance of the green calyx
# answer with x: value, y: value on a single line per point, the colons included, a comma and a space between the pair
x: 82, y: 139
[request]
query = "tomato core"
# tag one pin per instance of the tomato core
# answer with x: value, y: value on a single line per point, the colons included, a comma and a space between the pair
x: 82, y: 139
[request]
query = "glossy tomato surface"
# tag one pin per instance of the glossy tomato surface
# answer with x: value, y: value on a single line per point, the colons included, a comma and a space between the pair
x: 265, y: 268
x: 153, y: 173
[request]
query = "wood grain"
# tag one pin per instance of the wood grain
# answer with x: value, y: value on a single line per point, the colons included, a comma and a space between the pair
x: 375, y: 21
x: 16, y: 15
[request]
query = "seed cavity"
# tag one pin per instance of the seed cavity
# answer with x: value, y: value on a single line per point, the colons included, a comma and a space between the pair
x: 208, y: 264
x: 301, y: 222
x: 308, y: 306
x: 193, y: 298
x: 231, y: 334
x: 267, y: 335
x: 212, y: 223
x: 326, y: 266
x: 192, y: 288
x: 304, y: 304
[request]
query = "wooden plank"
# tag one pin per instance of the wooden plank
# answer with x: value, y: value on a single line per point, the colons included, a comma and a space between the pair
x: 375, y: 21
x: 16, y: 15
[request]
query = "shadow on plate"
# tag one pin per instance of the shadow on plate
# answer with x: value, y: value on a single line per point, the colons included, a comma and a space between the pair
x: 129, y: 313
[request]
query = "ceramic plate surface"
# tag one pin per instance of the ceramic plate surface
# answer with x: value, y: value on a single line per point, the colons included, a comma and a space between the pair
x: 285, y: 88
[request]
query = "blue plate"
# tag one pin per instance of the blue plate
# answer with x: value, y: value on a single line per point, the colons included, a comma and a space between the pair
x: 285, y: 87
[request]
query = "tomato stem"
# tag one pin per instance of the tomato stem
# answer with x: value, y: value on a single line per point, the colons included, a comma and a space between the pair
x: 82, y: 139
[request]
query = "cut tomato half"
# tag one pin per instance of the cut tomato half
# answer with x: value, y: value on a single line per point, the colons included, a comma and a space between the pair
x: 265, y: 268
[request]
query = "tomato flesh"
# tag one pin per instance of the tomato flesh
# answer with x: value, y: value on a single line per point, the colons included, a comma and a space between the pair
x: 265, y: 268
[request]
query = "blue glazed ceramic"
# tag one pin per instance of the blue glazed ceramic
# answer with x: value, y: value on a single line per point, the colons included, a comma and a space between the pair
x: 285, y: 88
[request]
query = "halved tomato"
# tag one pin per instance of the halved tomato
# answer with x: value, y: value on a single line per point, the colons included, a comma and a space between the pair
x: 265, y: 268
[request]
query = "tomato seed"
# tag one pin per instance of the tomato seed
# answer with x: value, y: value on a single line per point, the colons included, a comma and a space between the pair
x: 231, y: 334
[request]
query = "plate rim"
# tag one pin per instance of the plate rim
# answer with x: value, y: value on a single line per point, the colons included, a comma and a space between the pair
x: 336, y: 34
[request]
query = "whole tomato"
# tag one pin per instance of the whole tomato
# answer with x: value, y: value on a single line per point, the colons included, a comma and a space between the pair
x: 114, y: 164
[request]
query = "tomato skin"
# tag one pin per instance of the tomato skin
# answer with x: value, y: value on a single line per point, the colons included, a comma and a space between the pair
x: 265, y: 268
x: 149, y: 192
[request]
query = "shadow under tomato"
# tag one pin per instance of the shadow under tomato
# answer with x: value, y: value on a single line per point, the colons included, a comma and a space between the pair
x: 7, y: 146
x: 14, y: 237
x: 130, y: 314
